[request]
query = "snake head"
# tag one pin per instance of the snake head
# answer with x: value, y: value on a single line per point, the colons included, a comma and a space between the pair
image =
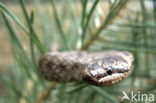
x: 107, y: 71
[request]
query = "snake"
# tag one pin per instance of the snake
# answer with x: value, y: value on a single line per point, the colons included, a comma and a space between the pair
x: 94, y: 68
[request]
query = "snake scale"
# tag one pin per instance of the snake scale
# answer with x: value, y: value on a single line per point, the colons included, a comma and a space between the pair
x: 101, y: 68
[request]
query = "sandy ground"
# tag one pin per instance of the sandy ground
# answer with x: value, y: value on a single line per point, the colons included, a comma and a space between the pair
x: 5, y: 51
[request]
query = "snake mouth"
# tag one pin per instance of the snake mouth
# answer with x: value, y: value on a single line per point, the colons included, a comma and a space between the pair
x: 103, y: 79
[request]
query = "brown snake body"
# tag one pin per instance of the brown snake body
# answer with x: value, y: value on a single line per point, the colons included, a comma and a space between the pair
x: 102, y: 68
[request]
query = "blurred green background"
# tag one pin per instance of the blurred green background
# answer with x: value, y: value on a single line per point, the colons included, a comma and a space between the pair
x: 28, y: 28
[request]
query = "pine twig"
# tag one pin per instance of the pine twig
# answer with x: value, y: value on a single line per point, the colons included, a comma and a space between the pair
x: 110, y: 17
x: 45, y: 94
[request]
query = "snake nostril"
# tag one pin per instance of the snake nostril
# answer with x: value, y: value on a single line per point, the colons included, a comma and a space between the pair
x: 109, y: 72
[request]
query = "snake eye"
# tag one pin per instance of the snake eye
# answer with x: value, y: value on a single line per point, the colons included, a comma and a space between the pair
x: 109, y: 72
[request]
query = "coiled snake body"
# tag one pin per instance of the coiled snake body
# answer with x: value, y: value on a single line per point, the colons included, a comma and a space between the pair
x: 102, y: 68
